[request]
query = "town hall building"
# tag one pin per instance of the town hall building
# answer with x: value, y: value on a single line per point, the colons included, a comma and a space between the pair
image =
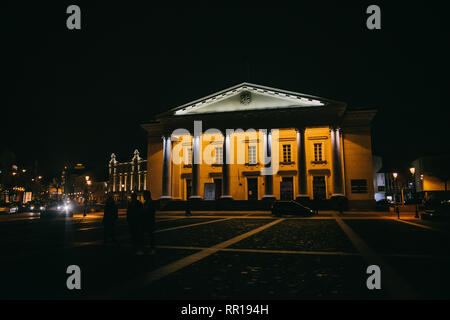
x: 251, y: 142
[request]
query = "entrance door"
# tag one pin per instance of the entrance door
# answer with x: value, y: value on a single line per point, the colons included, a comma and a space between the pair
x: 319, y: 188
x: 252, y: 188
x: 286, y: 188
x: 218, y: 187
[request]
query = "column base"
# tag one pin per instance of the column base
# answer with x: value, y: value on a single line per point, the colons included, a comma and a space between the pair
x: 225, y: 197
x: 195, y: 198
x: 337, y: 195
x: 268, y: 197
x: 166, y: 197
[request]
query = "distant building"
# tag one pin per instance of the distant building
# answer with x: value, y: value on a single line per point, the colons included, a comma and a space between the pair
x: 379, y: 181
x: 71, y: 177
x: 79, y: 183
x: 432, y: 174
x: 127, y: 177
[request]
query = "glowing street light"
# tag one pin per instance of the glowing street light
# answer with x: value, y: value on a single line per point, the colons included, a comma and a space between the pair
x: 395, y: 175
x: 413, y: 171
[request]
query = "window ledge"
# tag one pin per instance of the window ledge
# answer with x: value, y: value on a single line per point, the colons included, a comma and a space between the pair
x: 319, y: 162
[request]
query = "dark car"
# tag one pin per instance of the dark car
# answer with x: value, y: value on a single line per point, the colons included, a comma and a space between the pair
x: 290, y: 208
x: 33, y: 206
x: 382, y: 205
x: 57, y: 209
x: 9, y: 208
x: 439, y: 212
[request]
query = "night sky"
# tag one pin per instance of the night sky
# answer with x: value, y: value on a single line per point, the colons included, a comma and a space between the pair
x: 80, y: 95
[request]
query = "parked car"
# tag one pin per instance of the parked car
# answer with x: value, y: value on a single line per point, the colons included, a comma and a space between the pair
x: 60, y: 208
x: 4, y: 208
x: 382, y: 205
x: 9, y: 208
x: 290, y: 208
x: 439, y: 212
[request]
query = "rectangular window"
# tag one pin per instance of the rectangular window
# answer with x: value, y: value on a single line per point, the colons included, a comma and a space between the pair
x: 359, y: 186
x: 219, y: 155
x: 252, y: 155
x: 286, y: 153
x: 318, y: 152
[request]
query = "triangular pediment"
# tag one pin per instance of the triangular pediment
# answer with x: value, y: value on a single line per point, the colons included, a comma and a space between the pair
x: 249, y: 97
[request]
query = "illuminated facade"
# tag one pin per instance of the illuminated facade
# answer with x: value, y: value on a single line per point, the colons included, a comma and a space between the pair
x: 251, y: 142
x: 127, y: 177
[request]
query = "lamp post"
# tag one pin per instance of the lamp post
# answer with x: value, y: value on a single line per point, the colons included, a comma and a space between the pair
x: 395, y: 175
x: 413, y: 173
x: 86, y: 195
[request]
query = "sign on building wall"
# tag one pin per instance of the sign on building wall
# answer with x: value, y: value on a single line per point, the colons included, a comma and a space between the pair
x: 27, y: 197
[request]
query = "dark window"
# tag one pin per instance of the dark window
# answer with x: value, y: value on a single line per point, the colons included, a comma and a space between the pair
x: 318, y: 152
x: 286, y: 153
x: 359, y: 186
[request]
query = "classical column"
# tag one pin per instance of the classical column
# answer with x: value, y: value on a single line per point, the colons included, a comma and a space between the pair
x: 302, y: 192
x: 268, y: 177
x: 337, y: 163
x: 195, y: 193
x: 226, y: 167
x: 167, y: 150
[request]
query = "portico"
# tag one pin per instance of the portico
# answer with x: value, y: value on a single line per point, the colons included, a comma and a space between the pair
x: 251, y: 142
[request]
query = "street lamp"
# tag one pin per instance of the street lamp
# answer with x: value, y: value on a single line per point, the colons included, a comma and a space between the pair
x: 413, y: 173
x: 395, y: 175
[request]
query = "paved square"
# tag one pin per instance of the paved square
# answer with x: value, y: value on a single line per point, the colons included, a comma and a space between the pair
x: 214, y: 255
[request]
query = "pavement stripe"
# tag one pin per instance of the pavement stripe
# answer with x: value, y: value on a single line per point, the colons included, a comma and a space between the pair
x: 395, y: 285
x: 190, y: 225
x: 124, y: 225
x: 419, y: 225
x: 183, y: 262
x: 262, y: 250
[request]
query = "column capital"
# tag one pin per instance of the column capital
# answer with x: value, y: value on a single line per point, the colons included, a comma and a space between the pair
x: 335, y: 128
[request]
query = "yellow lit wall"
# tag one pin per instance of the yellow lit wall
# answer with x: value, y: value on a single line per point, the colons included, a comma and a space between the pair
x: 356, y: 162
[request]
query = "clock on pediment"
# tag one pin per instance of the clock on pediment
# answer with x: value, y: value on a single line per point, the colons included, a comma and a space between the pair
x: 246, y: 97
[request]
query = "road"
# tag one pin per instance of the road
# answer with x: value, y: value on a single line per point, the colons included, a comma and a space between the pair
x: 211, y: 255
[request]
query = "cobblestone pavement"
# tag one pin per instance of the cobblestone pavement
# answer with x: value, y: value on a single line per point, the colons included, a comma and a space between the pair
x: 218, y: 255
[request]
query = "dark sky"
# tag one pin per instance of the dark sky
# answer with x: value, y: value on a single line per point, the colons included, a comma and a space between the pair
x: 80, y: 95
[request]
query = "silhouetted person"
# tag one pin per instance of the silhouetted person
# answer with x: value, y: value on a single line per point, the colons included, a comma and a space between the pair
x: 109, y: 219
x: 341, y: 204
x: 148, y: 219
x: 134, y: 219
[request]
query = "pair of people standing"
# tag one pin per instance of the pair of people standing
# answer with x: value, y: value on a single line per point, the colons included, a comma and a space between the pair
x: 141, y: 222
